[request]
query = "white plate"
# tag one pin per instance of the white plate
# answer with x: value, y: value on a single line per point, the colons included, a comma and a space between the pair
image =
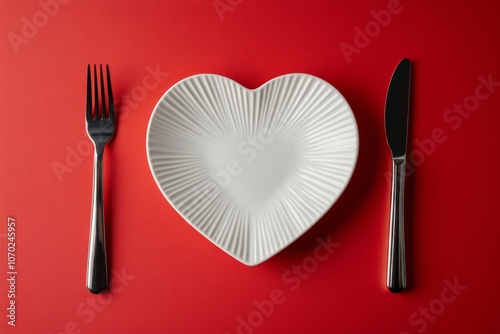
x: 252, y: 170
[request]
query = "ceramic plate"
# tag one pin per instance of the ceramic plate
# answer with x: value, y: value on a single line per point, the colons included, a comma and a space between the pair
x: 252, y: 170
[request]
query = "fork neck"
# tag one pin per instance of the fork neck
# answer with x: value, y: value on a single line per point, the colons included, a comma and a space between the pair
x: 99, y: 150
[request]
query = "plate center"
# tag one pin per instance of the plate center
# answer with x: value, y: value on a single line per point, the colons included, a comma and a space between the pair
x: 252, y: 169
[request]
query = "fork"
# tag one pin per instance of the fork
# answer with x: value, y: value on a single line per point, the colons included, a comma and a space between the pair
x: 100, y: 121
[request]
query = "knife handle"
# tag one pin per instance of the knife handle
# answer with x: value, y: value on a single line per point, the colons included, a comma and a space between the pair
x: 396, y: 263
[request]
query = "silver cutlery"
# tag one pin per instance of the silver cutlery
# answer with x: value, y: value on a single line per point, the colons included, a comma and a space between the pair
x: 396, y: 128
x: 100, y: 119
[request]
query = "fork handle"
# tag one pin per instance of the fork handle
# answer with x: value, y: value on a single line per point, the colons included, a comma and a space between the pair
x: 396, y: 263
x: 97, y: 268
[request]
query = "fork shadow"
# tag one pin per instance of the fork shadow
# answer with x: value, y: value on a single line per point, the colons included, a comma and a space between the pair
x: 109, y: 186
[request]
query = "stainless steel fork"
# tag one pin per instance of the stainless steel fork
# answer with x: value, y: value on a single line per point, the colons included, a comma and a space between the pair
x: 100, y: 128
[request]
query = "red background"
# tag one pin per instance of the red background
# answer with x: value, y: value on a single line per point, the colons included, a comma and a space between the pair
x: 175, y: 280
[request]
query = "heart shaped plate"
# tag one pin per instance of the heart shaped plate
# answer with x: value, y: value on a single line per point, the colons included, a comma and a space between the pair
x: 252, y: 170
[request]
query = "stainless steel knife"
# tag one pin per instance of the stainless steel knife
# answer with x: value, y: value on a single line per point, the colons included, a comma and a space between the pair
x: 396, y: 130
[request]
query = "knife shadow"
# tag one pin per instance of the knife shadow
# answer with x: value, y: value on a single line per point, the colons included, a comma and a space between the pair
x: 410, y: 188
x: 410, y: 230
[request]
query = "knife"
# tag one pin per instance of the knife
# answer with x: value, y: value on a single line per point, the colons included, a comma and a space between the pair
x: 396, y: 131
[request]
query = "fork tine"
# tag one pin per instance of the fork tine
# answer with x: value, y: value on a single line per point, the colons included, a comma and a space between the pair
x: 110, y: 96
x: 89, y: 95
x: 96, y: 95
x: 103, y: 95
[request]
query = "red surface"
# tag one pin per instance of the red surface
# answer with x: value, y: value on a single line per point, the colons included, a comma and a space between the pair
x: 172, y: 280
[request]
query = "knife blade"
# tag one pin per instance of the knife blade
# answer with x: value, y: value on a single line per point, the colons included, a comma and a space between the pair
x: 396, y: 130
